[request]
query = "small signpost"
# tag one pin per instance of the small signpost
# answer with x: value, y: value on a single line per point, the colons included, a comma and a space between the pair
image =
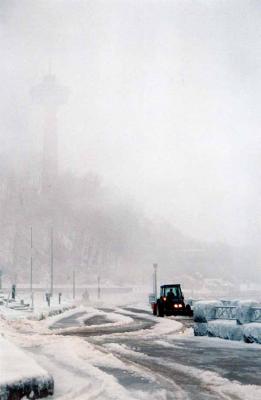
x: 13, y: 291
x: 48, y: 298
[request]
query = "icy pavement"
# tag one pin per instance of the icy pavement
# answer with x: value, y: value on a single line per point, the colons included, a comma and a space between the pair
x: 126, y: 353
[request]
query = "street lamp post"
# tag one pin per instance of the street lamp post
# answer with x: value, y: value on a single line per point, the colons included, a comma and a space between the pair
x: 51, y: 291
x: 31, y: 263
x: 155, y: 267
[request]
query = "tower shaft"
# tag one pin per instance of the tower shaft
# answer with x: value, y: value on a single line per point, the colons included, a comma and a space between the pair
x: 50, y: 148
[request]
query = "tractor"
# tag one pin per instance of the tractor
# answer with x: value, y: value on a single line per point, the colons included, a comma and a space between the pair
x: 171, y: 302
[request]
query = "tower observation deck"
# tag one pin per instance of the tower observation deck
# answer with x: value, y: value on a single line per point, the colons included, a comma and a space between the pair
x: 50, y: 95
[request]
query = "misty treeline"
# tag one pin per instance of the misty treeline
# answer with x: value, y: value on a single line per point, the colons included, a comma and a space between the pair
x: 96, y: 232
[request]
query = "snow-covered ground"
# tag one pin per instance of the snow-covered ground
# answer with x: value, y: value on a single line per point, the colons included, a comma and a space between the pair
x: 76, y: 364
x: 113, y: 350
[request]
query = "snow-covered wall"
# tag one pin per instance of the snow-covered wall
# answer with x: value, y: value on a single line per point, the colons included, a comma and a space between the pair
x: 20, y: 375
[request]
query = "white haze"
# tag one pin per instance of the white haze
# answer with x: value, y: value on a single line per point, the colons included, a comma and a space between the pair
x: 164, y: 103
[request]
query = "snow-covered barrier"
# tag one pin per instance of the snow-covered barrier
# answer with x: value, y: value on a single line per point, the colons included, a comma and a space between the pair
x: 229, y: 330
x: 20, y: 375
x: 252, y: 333
x: 233, y: 320
x: 205, y: 310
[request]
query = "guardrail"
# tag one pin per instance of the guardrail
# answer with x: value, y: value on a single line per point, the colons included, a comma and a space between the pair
x: 242, y: 314
x: 226, y: 312
x: 240, y: 320
x: 256, y: 314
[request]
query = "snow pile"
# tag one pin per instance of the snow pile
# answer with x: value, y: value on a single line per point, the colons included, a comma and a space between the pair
x: 20, y: 375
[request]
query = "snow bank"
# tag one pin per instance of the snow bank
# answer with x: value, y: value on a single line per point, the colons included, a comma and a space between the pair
x: 20, y: 375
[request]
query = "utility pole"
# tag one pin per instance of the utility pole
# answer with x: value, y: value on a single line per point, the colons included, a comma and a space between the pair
x: 31, y: 263
x: 155, y: 266
x: 73, y: 284
x: 99, y: 288
x: 51, y: 291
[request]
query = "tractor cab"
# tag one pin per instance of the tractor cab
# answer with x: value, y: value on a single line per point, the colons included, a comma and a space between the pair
x: 171, y: 302
x: 172, y: 291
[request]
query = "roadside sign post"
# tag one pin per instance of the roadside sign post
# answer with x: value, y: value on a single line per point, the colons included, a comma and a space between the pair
x: 13, y: 291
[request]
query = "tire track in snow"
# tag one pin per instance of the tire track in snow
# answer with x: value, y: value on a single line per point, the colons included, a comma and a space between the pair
x: 171, y: 377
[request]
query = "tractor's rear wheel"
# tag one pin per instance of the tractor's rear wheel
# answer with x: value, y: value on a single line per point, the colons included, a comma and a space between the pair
x: 160, y: 309
x: 189, y: 312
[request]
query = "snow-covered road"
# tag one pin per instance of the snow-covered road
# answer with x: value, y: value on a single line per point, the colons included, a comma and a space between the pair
x: 126, y: 353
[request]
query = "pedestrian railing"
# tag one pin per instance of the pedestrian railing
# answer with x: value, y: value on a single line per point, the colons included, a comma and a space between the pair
x: 239, y: 320
x: 242, y: 314
x: 256, y: 314
x: 226, y: 312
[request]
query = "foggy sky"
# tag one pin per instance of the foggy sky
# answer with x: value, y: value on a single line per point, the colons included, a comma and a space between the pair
x: 164, y: 102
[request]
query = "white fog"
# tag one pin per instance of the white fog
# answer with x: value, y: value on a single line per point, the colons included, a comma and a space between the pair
x: 158, y: 138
